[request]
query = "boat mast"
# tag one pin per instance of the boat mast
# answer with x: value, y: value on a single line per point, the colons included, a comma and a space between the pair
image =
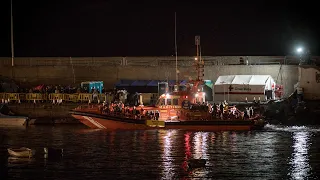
x: 176, y: 88
x: 12, y: 47
x: 198, y: 60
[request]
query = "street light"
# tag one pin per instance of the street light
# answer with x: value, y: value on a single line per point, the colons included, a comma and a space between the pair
x: 300, y: 53
x: 299, y: 50
x: 304, y: 55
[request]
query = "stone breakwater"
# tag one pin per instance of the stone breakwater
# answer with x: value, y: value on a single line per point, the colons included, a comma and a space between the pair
x: 66, y: 70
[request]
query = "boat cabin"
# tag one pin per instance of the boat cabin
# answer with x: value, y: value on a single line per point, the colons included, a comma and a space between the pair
x: 180, y: 100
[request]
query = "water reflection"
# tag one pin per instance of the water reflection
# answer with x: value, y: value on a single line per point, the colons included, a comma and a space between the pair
x: 299, y: 162
x: 160, y: 154
x: 168, y: 170
x: 200, y: 145
x: 233, y: 143
x: 187, y: 145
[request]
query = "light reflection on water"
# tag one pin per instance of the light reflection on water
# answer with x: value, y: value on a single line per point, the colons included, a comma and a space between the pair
x: 276, y: 153
x: 169, y: 139
x: 300, y: 160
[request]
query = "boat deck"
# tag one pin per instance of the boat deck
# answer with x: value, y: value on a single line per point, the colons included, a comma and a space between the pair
x: 127, y: 119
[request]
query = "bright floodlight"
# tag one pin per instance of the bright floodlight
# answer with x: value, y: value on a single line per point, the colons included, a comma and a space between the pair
x: 299, y: 50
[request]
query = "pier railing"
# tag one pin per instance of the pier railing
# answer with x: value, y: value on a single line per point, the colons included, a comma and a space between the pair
x: 148, y: 61
x: 34, y: 97
x: 64, y: 97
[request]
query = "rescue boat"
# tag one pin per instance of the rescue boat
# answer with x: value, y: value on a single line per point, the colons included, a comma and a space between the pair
x: 172, y: 111
x: 183, y: 108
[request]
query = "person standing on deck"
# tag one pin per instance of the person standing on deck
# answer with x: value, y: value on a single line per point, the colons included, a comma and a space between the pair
x: 157, y: 115
x: 251, y: 111
x: 221, y: 108
x: 248, y: 112
x: 134, y: 112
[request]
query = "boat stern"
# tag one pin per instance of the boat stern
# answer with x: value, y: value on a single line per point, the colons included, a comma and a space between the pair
x: 258, y: 124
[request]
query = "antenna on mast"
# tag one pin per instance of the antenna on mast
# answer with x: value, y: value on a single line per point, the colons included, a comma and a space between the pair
x: 198, y: 61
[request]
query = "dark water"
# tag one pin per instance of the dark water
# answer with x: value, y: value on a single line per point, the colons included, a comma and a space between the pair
x: 274, y: 153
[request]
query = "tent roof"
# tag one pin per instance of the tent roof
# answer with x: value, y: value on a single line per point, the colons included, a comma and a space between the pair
x: 243, y: 79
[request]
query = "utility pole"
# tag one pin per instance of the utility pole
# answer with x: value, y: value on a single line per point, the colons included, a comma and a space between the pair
x: 12, y: 46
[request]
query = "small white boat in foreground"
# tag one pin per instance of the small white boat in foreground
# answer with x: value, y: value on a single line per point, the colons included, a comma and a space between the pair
x: 21, y: 152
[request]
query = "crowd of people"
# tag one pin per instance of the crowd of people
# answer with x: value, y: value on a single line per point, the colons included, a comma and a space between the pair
x: 217, y: 111
x: 224, y: 111
x: 119, y: 108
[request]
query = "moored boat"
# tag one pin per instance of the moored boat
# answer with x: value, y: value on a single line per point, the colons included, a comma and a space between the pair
x: 13, y: 120
x: 8, y: 119
x: 92, y: 119
x: 183, y: 108
x: 22, y: 152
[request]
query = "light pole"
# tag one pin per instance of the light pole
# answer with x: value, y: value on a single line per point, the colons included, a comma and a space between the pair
x: 300, y: 53
x: 12, y: 46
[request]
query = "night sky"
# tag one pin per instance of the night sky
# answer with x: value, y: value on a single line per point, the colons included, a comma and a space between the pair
x: 118, y: 28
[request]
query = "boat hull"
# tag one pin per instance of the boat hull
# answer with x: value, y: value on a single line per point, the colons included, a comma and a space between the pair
x: 20, y: 153
x: 13, y: 121
x: 105, y: 122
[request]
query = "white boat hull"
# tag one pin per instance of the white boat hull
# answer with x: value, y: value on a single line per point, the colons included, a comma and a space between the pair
x: 13, y: 121
x: 21, y: 152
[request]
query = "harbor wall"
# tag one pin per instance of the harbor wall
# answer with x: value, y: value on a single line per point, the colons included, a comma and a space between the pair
x: 70, y: 70
x: 309, y: 81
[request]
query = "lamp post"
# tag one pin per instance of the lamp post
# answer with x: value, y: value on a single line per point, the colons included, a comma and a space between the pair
x: 299, y: 51
x: 12, y: 46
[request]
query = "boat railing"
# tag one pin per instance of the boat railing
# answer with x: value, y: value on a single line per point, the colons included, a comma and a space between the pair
x: 126, y: 115
x: 87, y: 107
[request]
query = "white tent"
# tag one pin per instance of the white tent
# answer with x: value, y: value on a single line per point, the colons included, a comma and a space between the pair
x: 236, y: 88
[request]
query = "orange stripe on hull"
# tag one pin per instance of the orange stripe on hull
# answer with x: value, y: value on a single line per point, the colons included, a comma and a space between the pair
x: 111, y: 124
